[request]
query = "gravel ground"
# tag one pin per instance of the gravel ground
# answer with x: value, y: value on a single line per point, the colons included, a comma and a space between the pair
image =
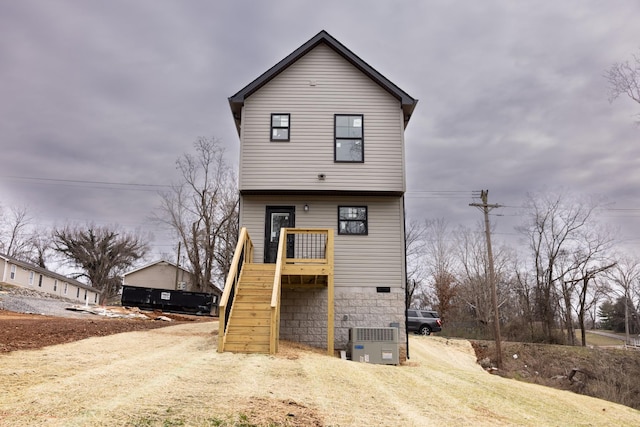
x: 21, y: 300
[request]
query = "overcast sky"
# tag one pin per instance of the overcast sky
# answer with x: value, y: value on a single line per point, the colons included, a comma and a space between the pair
x: 512, y: 98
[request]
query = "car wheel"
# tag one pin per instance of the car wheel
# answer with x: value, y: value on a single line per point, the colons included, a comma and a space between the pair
x: 424, y: 330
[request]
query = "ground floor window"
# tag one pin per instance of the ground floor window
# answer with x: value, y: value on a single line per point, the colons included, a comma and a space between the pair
x: 353, y: 220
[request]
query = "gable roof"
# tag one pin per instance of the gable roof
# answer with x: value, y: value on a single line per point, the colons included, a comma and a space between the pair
x: 151, y: 264
x: 48, y: 273
x: 164, y: 261
x: 237, y: 101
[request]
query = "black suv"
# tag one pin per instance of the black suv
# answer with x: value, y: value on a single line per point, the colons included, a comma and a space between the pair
x: 423, y: 322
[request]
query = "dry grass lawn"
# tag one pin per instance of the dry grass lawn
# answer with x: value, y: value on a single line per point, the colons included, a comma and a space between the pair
x: 173, y: 376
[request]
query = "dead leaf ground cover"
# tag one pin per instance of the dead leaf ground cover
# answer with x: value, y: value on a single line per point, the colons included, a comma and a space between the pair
x: 174, y: 376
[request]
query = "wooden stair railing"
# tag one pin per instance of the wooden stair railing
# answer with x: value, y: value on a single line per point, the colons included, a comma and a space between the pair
x: 242, y: 255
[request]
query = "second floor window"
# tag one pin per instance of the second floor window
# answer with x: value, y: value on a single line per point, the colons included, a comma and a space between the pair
x: 280, y: 126
x: 349, y: 138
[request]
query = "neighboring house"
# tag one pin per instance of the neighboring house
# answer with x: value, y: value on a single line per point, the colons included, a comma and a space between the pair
x: 26, y: 275
x: 322, y: 147
x: 165, y: 275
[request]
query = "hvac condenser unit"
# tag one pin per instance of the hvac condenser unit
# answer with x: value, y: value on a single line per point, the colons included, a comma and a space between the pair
x: 374, y: 345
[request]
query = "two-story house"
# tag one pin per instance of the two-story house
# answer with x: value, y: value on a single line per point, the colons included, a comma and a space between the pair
x: 321, y: 151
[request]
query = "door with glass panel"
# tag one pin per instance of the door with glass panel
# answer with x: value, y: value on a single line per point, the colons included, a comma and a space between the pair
x: 277, y: 217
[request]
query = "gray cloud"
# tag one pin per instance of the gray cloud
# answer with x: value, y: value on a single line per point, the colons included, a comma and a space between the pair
x: 512, y: 96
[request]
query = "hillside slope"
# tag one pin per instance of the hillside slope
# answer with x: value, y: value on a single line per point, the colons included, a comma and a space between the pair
x: 173, y: 376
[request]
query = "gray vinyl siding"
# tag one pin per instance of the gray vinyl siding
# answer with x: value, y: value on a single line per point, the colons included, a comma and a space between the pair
x: 376, y: 259
x: 339, y: 88
x: 159, y: 276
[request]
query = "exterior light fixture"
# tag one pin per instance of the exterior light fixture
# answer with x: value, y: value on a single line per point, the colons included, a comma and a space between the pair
x: 306, y: 207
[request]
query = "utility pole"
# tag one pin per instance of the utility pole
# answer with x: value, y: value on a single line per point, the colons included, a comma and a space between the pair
x: 178, y: 263
x: 486, y: 207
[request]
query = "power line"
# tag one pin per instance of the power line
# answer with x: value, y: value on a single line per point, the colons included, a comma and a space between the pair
x: 74, y: 181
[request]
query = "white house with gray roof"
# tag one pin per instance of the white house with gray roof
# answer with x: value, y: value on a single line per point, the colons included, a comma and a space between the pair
x: 14, y: 272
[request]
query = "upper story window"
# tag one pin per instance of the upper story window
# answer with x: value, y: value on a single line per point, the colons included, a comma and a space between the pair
x: 12, y: 274
x: 349, y: 138
x: 40, y: 281
x: 31, y: 275
x: 280, y: 126
x: 353, y: 220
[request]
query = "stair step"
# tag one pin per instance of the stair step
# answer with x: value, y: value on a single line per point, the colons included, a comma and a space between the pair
x: 250, y: 330
x: 246, y: 321
x: 247, y: 348
x: 256, y: 285
x: 242, y: 337
x: 251, y: 309
x: 249, y: 314
x: 252, y: 267
x: 253, y: 297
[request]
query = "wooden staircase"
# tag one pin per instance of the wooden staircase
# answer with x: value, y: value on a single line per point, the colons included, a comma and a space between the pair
x: 250, y: 317
x: 250, y: 303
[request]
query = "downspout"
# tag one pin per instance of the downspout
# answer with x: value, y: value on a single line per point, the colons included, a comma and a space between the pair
x: 406, y: 289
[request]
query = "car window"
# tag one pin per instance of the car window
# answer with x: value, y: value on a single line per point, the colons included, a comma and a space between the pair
x: 412, y: 313
x: 429, y: 314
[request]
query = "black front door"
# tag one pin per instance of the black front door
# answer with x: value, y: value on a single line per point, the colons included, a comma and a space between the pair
x: 277, y: 217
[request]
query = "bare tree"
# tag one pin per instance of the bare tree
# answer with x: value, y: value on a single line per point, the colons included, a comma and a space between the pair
x: 15, y: 233
x: 101, y: 253
x: 623, y: 277
x: 586, y: 262
x: 473, y: 300
x: 203, y: 211
x: 557, y: 230
x: 474, y: 288
x: 415, y: 232
x: 524, y: 288
x: 439, y: 264
x: 624, y: 79
x: 41, y: 243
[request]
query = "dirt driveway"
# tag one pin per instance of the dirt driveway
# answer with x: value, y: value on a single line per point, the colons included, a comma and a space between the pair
x: 173, y: 376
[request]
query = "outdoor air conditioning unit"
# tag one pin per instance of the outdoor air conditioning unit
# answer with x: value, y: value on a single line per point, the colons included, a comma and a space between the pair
x: 374, y: 345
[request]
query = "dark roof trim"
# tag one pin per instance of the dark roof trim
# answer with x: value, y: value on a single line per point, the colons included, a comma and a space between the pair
x: 320, y: 193
x: 237, y: 101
